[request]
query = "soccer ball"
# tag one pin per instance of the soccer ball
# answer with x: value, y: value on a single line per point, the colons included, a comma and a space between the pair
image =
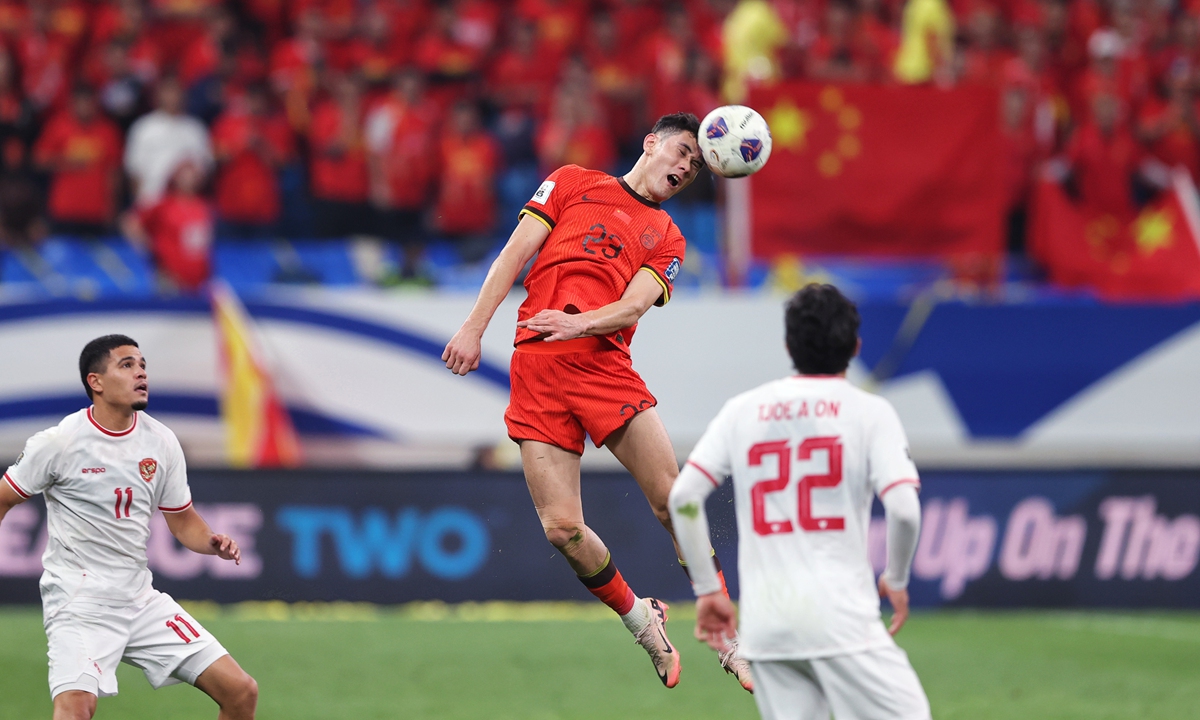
x: 735, y: 141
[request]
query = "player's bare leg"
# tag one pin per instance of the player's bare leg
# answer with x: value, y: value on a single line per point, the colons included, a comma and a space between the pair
x: 552, y: 475
x: 231, y: 687
x: 74, y: 705
x: 644, y: 448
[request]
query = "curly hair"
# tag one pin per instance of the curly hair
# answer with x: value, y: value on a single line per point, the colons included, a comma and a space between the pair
x: 822, y: 330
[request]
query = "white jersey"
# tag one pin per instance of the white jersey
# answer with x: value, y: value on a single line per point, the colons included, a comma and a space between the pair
x: 807, y: 455
x: 101, y: 489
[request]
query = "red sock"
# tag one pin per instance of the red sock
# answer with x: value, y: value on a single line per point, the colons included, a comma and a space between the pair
x: 608, y: 585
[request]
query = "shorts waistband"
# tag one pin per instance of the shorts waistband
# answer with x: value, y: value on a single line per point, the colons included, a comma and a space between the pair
x: 591, y: 343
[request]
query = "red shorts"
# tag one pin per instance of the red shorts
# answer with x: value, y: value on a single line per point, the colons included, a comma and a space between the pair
x: 564, y: 390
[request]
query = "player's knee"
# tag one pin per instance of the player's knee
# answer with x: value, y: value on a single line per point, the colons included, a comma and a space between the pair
x: 565, y: 537
x: 74, y: 705
x: 241, y: 698
x: 246, y: 696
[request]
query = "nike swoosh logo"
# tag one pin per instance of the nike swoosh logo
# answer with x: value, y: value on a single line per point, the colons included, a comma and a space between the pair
x: 585, y: 198
x: 666, y: 642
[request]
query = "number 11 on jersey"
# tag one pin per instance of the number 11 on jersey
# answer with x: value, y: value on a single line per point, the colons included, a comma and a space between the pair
x: 783, y: 450
x: 127, y: 495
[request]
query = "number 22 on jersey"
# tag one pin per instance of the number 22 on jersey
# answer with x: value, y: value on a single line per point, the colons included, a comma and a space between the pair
x: 783, y: 450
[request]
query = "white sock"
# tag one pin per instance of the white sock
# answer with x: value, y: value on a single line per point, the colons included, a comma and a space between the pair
x: 638, y: 617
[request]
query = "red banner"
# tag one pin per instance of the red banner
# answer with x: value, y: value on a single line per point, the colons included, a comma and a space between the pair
x: 1153, y: 256
x: 859, y: 169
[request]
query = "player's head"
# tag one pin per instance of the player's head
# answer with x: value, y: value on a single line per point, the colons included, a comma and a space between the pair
x: 112, y: 368
x: 671, y: 157
x: 822, y: 330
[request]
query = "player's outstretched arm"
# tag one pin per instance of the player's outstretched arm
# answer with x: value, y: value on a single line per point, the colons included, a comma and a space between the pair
x: 463, y: 351
x: 194, y: 533
x: 716, y: 619
x: 640, y: 296
x: 9, y: 499
x: 902, y: 507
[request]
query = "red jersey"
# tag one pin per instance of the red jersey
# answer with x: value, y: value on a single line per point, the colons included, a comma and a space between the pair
x: 181, y: 229
x: 338, y: 164
x: 247, y: 187
x: 601, y: 234
x: 85, y: 156
x: 466, y: 201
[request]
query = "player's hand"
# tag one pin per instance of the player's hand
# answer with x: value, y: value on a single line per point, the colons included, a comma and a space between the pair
x: 558, y: 324
x: 899, y: 601
x: 463, y: 351
x: 716, y: 620
x: 226, y: 548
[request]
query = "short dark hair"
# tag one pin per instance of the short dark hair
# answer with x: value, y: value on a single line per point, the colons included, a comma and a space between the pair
x: 677, y: 123
x: 822, y: 330
x: 95, y: 356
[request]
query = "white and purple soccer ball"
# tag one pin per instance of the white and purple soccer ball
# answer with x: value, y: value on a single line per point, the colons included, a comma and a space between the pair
x: 735, y: 141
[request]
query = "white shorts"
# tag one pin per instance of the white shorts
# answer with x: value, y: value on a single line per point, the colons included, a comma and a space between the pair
x: 872, y: 685
x: 87, y: 640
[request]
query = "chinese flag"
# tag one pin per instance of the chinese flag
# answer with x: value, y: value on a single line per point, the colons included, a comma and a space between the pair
x: 1153, y: 256
x: 859, y: 169
x: 258, y: 428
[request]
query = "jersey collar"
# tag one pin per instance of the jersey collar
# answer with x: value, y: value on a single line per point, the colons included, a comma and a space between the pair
x: 108, y: 432
x: 639, y: 198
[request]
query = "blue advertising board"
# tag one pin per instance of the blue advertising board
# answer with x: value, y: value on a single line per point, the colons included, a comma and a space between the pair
x: 1008, y: 539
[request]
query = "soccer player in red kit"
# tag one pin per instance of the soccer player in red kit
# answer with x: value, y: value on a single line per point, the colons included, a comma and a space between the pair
x: 606, y: 252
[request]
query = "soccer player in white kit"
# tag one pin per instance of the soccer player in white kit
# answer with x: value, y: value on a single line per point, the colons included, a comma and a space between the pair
x: 104, y: 471
x: 807, y: 455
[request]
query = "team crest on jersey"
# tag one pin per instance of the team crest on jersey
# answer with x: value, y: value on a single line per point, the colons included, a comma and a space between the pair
x: 650, y: 237
x: 147, y: 468
x: 672, y: 270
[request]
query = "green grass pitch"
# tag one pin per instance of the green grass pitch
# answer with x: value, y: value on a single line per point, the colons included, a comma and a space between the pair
x: 541, y: 662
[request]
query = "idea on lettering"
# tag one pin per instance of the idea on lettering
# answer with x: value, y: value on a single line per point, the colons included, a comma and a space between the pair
x: 795, y: 409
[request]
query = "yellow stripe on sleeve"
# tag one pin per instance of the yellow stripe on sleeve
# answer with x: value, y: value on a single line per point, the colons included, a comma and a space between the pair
x: 539, y: 218
x: 666, y: 296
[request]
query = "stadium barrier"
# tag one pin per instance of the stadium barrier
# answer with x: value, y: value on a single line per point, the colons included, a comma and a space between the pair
x: 1063, y: 384
x: 990, y: 539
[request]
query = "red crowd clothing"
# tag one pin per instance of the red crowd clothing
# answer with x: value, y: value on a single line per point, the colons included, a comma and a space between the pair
x: 589, y: 145
x: 181, y: 229
x: 615, y: 76
x: 409, y: 164
x: 443, y: 56
x: 1103, y: 166
x: 14, y: 17
x: 377, y: 62
x: 523, y: 80
x: 200, y: 60
x: 45, y: 65
x: 636, y: 20
x: 466, y: 201
x: 562, y: 390
x: 559, y: 23
x: 601, y: 234
x: 85, y: 158
x: 338, y: 168
x: 1178, y: 145
x: 247, y: 188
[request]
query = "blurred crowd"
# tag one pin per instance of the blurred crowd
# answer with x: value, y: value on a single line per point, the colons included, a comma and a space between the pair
x: 172, y: 121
